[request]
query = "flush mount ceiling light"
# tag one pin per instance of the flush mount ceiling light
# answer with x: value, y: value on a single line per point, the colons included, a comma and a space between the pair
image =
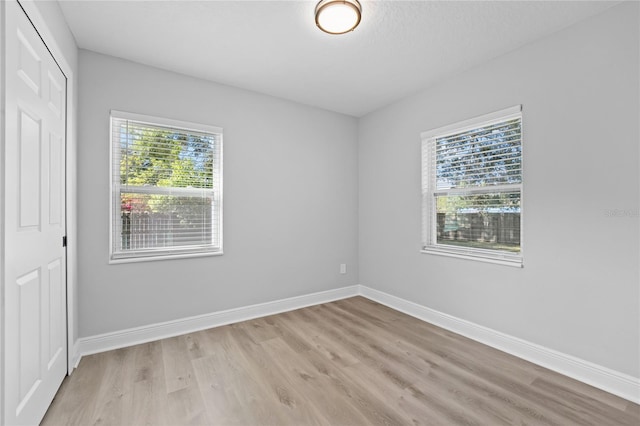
x: 338, y: 16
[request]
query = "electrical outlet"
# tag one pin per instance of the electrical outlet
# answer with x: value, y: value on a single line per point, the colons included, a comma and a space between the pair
x: 343, y: 268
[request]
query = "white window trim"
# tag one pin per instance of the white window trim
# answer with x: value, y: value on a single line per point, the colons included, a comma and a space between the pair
x: 482, y: 255
x: 113, y: 186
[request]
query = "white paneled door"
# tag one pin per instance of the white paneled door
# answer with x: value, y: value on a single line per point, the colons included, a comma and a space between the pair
x: 35, y: 360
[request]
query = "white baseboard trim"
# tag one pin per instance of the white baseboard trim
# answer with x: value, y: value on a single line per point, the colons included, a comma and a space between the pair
x: 617, y: 383
x: 134, y: 336
x: 620, y: 384
x: 74, y: 358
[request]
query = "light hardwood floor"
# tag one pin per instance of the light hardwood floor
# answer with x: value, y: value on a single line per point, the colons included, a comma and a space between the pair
x: 350, y: 362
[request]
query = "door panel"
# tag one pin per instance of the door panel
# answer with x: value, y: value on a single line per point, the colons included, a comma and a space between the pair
x: 28, y: 331
x: 56, y: 191
x: 56, y: 304
x: 56, y: 94
x: 29, y: 145
x: 35, y: 360
x: 29, y: 64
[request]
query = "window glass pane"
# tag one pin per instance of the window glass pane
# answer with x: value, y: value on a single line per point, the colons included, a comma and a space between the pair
x: 489, y: 155
x: 163, y: 157
x: 151, y: 221
x: 485, y: 221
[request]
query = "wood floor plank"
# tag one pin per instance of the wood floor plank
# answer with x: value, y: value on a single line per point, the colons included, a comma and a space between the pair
x: 437, y: 408
x: 76, y: 402
x: 262, y: 366
x: 633, y: 410
x: 224, y: 394
x: 116, y: 389
x: 230, y: 391
x: 580, y: 388
x: 313, y: 386
x: 591, y: 410
x: 321, y: 343
x: 186, y: 406
x: 349, y: 362
x: 288, y: 333
x: 260, y: 329
x: 375, y: 410
x: 178, y: 370
x: 149, y: 403
x: 148, y: 361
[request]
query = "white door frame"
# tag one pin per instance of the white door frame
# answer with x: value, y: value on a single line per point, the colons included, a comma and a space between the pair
x: 52, y: 44
x: 2, y: 91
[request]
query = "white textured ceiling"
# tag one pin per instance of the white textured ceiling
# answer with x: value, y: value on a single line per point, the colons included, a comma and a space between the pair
x: 273, y: 47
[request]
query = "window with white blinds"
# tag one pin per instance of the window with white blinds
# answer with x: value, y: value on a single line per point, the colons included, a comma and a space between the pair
x: 472, y: 188
x: 166, y: 188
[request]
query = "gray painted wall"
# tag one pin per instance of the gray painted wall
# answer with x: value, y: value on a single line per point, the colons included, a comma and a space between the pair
x: 290, y: 199
x: 578, y: 292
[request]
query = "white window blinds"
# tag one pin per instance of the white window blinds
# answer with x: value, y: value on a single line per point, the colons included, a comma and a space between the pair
x: 166, y: 187
x: 472, y: 188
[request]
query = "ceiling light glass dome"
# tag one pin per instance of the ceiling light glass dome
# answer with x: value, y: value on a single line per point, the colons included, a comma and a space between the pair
x: 338, y: 16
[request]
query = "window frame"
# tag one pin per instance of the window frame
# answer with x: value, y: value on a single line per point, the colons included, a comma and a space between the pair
x: 116, y: 257
x: 429, y: 244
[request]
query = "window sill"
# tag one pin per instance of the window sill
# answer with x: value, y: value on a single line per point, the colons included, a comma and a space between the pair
x: 477, y: 255
x: 163, y: 257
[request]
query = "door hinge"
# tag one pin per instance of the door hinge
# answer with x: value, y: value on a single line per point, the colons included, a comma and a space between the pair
x: 64, y: 241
